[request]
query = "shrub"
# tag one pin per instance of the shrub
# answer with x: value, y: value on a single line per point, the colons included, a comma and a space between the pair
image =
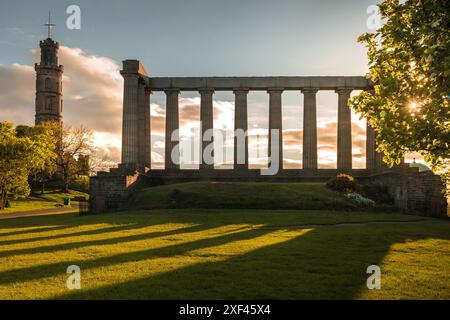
x: 360, y: 200
x: 342, y: 183
x: 378, y: 193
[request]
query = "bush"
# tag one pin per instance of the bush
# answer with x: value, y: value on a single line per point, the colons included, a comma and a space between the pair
x: 342, y: 183
x: 360, y: 200
x: 378, y: 193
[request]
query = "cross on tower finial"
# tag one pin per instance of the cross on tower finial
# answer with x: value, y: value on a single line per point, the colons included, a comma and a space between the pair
x: 49, y: 26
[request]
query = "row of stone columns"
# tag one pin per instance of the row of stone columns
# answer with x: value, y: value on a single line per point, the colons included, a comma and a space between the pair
x: 310, y: 158
x: 137, y: 134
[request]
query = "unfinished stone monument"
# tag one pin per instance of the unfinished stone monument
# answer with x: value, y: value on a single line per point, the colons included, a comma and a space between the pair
x: 410, y: 189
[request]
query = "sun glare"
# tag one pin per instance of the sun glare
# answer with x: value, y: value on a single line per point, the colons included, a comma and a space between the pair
x: 414, y: 107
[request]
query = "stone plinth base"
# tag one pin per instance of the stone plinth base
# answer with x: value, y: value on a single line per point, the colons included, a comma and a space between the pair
x: 109, y: 190
x: 412, y: 190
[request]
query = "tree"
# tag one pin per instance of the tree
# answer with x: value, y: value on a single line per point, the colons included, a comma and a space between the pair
x: 409, y: 65
x: 44, y: 134
x: 19, y: 156
x: 73, y: 143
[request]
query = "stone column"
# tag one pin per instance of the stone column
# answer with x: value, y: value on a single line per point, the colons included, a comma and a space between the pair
x: 206, y: 118
x: 172, y: 125
x: 130, y: 119
x: 370, y: 147
x: 144, y: 134
x: 134, y: 101
x: 344, y: 141
x: 309, y: 129
x: 275, y: 122
x: 148, y: 130
x: 240, y: 122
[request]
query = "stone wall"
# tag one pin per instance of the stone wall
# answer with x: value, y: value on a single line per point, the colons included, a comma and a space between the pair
x: 411, y: 190
x: 414, y: 191
x: 109, y: 190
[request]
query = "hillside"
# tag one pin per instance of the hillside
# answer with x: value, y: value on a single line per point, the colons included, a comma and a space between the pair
x: 302, y: 196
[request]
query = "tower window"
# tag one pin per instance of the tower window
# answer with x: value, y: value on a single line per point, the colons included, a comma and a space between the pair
x: 50, y: 103
x: 48, y: 84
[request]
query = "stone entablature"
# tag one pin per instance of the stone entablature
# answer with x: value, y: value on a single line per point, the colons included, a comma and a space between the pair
x: 259, y: 83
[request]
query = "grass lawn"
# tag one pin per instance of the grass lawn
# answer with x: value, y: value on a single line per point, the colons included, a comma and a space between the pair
x: 224, y: 254
x: 57, y: 196
x: 27, y: 205
x: 50, y: 199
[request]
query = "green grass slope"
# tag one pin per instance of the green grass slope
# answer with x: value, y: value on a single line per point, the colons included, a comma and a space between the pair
x: 56, y: 195
x: 51, y: 199
x: 300, y: 196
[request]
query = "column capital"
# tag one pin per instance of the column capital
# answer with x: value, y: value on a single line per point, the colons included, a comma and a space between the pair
x: 129, y: 75
x: 133, y: 67
x: 148, y: 91
x: 172, y: 90
x: 206, y: 90
x: 309, y: 90
x: 344, y: 91
x: 241, y: 90
x: 275, y: 90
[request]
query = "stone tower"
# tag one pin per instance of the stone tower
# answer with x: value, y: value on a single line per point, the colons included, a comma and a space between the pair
x: 48, y: 82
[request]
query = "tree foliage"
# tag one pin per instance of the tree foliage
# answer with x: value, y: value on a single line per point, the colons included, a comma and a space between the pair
x: 409, y: 64
x: 22, y: 151
x: 46, y: 168
x: 73, y: 143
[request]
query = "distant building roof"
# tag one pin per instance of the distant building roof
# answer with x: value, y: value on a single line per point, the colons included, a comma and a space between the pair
x: 422, y: 167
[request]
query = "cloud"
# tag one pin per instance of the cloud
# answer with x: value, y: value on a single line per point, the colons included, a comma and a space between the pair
x: 92, y: 95
x: 17, y: 93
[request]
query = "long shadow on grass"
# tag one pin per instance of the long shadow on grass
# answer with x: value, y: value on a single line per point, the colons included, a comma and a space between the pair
x: 70, y: 235
x: 47, y: 270
x: 108, y: 241
x: 326, y: 263
x: 59, y: 222
x: 37, y: 230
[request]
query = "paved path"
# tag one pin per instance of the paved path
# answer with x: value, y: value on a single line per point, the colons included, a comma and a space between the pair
x: 356, y: 223
x: 37, y: 212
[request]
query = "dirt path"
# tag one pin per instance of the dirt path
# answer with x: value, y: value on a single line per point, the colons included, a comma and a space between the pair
x: 37, y: 212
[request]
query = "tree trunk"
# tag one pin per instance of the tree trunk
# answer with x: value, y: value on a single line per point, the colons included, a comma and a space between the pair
x: 65, y: 176
x: 2, y: 200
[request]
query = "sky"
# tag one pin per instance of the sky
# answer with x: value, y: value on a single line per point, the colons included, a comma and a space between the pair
x: 188, y: 38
